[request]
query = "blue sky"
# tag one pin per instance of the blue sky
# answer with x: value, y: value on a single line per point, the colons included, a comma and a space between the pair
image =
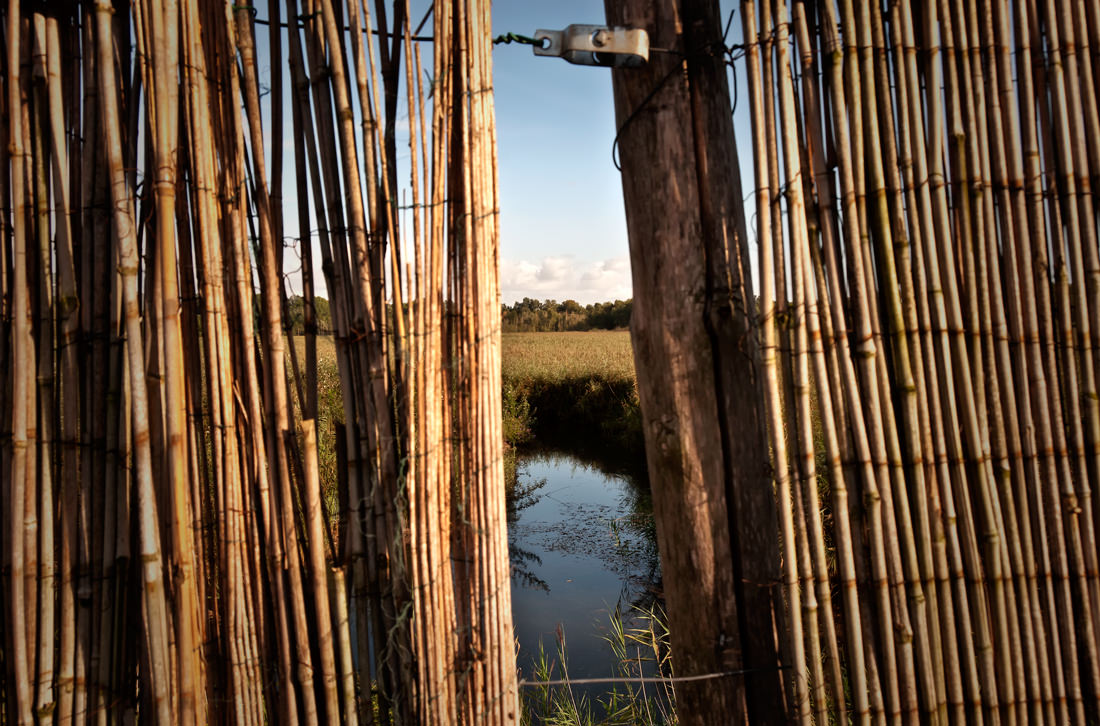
x: 563, y: 230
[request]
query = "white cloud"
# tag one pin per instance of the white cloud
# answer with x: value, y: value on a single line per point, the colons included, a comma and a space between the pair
x: 564, y: 278
x: 555, y: 270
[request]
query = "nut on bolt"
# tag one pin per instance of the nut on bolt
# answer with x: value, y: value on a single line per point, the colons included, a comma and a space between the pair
x: 595, y: 45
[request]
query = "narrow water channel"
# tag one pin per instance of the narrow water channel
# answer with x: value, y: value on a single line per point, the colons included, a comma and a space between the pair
x: 582, y: 545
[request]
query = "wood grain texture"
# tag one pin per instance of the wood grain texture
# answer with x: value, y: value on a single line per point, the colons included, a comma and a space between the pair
x: 696, y: 359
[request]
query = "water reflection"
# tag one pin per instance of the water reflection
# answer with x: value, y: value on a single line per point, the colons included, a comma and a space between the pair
x: 582, y: 545
x: 523, y: 494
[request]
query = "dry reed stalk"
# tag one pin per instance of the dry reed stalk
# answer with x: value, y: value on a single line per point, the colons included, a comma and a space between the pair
x: 163, y: 48
x: 30, y: 497
x: 153, y: 597
x: 872, y: 497
x: 804, y: 494
x: 244, y: 679
x: 318, y: 568
x: 1069, y: 119
x: 275, y: 392
x: 1065, y: 666
x: 973, y: 390
x: 1046, y: 325
x: 1028, y: 288
x: 353, y: 541
x: 769, y: 240
x: 383, y: 235
x: 437, y: 499
x: 305, y: 241
x: 70, y: 375
x: 916, y: 312
x: 263, y: 464
x: 1003, y: 431
x: 506, y: 694
x: 7, y: 359
x: 384, y: 572
x: 877, y: 422
x: 86, y: 554
x: 932, y: 185
x: 41, y: 527
x: 277, y: 112
x: 952, y: 281
x: 892, y: 246
x: 1022, y: 454
x: 810, y: 495
x: 372, y: 358
x: 22, y: 398
x: 430, y: 619
x: 820, y: 329
x: 954, y: 357
x: 1064, y: 240
x: 97, y: 547
x: 385, y: 220
x: 817, y: 578
x: 1092, y: 119
x: 369, y: 119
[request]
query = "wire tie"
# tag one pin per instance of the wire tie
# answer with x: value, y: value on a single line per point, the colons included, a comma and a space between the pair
x: 516, y: 38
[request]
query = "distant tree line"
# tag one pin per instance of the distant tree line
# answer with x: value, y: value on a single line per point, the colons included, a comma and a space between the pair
x: 538, y: 316
x: 526, y: 316
x: 296, y: 315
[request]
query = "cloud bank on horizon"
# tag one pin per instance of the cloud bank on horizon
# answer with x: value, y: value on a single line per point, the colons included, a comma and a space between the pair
x: 563, y: 277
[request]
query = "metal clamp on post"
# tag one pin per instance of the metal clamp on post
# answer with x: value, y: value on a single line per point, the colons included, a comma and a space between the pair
x: 595, y: 45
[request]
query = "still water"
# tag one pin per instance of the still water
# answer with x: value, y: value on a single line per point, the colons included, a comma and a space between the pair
x: 582, y: 544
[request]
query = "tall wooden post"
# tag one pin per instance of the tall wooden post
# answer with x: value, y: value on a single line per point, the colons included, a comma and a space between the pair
x: 696, y: 356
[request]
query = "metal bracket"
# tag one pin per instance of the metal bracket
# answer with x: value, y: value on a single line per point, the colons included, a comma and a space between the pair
x: 595, y: 45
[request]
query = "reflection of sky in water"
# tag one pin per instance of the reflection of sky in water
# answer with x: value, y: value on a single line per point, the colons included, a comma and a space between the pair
x: 586, y: 563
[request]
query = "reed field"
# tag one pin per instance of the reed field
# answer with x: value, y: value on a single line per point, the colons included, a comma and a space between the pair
x: 583, y: 379
x: 559, y: 356
x: 573, y: 389
x: 329, y: 415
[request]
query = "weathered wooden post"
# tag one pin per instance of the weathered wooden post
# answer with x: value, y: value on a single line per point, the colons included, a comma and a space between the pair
x: 696, y: 356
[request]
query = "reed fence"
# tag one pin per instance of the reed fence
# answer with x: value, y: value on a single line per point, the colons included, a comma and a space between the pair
x: 929, y: 274
x: 165, y: 553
